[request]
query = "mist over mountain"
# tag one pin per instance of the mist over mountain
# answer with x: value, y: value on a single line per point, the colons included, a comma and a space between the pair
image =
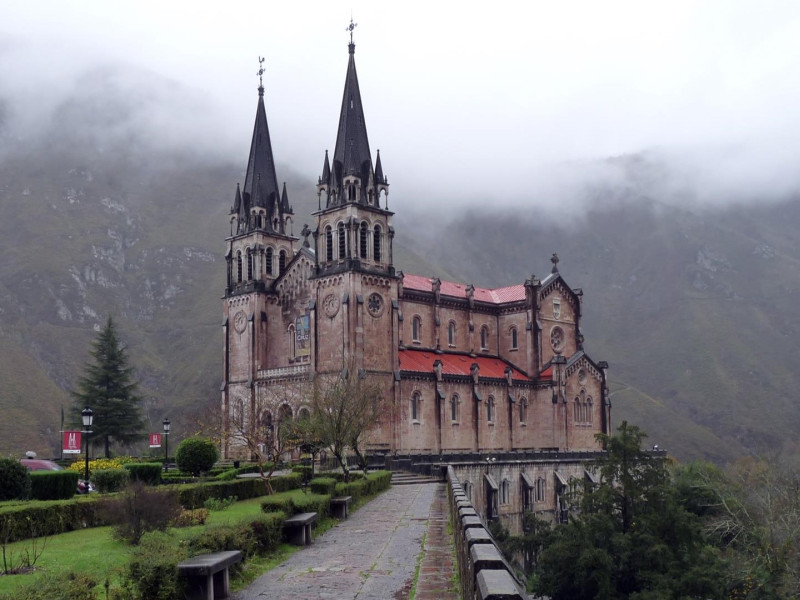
x: 115, y: 201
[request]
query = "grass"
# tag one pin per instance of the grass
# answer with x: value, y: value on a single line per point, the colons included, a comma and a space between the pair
x: 420, y: 556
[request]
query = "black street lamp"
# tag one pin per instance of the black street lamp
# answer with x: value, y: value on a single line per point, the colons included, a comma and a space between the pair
x: 166, y: 445
x: 87, y: 417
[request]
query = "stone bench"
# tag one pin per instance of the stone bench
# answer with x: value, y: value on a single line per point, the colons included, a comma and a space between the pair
x: 340, y: 507
x: 298, y: 528
x: 207, y: 575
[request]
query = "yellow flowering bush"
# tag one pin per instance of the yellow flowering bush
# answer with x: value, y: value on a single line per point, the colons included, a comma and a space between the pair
x: 100, y: 464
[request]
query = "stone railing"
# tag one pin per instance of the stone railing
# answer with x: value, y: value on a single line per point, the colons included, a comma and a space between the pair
x: 484, y: 573
x: 282, y: 372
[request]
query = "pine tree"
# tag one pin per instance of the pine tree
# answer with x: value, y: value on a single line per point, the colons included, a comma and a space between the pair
x: 109, y: 389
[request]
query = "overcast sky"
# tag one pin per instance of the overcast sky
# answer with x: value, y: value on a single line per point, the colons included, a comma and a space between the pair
x: 463, y: 99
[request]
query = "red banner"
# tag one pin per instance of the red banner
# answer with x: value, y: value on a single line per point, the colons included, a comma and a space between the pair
x: 155, y: 440
x: 72, y: 442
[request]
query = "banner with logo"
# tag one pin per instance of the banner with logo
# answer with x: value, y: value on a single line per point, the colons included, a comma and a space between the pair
x: 155, y: 440
x: 303, y: 337
x: 72, y: 442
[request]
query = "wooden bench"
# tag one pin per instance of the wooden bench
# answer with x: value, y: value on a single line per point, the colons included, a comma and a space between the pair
x: 207, y: 575
x: 340, y: 507
x: 298, y: 528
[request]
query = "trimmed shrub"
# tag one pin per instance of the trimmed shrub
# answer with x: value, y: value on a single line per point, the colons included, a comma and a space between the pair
x: 354, y: 489
x: 322, y: 485
x: 219, y: 503
x: 194, y: 495
x: 339, y: 476
x: 190, y: 518
x: 267, y: 531
x: 153, y: 569
x: 278, y: 503
x: 218, y: 538
x: 53, y: 485
x: 109, y: 480
x: 305, y: 471
x: 64, y: 586
x: 15, y: 483
x: 196, y: 455
x: 296, y: 502
x: 148, y: 473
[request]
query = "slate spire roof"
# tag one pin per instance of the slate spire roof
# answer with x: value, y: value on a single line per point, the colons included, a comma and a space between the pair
x: 351, y: 155
x: 261, y: 183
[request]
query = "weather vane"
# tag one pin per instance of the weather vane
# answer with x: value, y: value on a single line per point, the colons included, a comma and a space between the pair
x: 351, y: 27
x: 260, y: 72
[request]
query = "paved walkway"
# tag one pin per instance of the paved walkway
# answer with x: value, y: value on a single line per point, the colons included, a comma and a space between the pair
x: 373, y: 555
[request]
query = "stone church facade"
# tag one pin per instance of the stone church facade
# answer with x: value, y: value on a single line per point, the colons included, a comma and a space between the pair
x: 461, y: 368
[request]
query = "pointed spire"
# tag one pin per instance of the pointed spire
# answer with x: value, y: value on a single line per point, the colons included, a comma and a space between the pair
x: 378, y: 169
x: 237, y: 200
x: 351, y: 155
x: 326, y: 170
x: 285, y: 201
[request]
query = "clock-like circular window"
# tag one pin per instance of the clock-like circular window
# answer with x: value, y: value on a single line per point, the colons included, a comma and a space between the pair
x: 330, y: 305
x: 557, y: 339
x: 375, y: 305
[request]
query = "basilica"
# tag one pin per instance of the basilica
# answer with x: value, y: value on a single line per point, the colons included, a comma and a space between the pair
x: 461, y: 369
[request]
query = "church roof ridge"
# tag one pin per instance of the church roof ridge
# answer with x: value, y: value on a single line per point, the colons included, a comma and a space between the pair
x: 457, y: 363
x: 501, y: 295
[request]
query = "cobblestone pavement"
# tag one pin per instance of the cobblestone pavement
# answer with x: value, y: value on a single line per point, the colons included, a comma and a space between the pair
x: 371, y: 556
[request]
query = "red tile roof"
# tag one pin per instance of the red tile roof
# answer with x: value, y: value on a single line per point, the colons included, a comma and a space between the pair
x: 511, y: 293
x: 421, y: 361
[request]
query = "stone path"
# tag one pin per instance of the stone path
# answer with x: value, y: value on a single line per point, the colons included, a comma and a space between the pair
x: 373, y: 555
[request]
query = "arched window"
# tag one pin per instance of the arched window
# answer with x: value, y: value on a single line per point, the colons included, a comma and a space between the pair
x: 514, y: 340
x: 342, y: 242
x: 268, y: 260
x: 505, y: 491
x: 523, y: 410
x: 329, y: 243
x: 415, y: 407
x: 292, y: 342
x: 490, y: 409
x: 540, y: 489
x: 249, y: 265
x: 576, y: 410
x: 484, y: 337
x: 239, y: 266
x: 451, y: 334
x: 454, y: 408
x: 363, y: 235
x: 281, y: 262
x: 303, y: 414
x: 376, y: 244
x: 416, y: 328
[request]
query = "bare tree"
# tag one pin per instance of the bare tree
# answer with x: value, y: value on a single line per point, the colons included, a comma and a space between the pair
x: 344, y: 411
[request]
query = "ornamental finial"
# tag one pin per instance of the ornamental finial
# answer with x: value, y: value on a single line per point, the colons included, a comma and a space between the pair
x: 260, y: 74
x: 350, y: 28
x: 554, y: 260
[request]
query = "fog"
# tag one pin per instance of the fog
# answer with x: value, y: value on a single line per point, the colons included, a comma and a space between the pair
x: 536, y: 104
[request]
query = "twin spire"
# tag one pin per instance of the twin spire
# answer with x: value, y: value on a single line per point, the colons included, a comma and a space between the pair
x: 350, y: 178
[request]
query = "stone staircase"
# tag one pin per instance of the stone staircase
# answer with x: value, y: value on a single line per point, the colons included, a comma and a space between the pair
x: 406, y: 478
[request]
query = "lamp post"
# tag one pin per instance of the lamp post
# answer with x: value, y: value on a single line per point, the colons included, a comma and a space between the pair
x: 87, y: 418
x: 166, y: 445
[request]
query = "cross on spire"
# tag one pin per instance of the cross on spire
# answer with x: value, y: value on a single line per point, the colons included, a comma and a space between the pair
x: 350, y: 28
x: 260, y: 74
x: 554, y: 260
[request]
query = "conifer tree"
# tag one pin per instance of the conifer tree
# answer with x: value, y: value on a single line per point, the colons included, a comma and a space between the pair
x: 110, y: 390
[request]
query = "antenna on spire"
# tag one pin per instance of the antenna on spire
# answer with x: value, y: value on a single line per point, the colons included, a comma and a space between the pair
x: 351, y: 27
x: 260, y: 74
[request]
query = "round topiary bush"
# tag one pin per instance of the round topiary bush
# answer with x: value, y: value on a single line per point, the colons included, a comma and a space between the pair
x: 15, y: 483
x: 196, y: 455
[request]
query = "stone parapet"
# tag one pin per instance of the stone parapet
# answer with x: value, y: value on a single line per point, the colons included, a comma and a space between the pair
x: 483, y: 571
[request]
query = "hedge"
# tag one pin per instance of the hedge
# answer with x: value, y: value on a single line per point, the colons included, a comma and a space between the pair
x: 293, y: 503
x: 148, y: 473
x: 322, y: 485
x: 194, y: 495
x: 109, y: 480
x: 375, y: 482
x: 259, y: 535
x: 48, y: 517
x: 53, y: 485
x: 339, y: 476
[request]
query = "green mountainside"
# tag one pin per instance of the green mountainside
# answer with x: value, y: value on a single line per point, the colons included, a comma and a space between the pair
x: 694, y: 309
